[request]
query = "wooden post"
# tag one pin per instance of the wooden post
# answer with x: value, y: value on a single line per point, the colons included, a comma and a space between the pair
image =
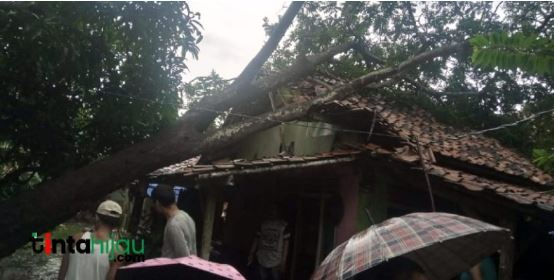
x: 349, y: 182
x: 507, y: 251
x: 209, y: 216
x: 506, y: 260
x: 137, y: 205
x: 320, y: 232
x: 297, y: 230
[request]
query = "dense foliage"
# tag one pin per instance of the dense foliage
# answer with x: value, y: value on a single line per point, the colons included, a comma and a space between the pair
x: 204, y: 86
x: 531, y: 53
x: 510, y: 76
x: 544, y: 159
x: 74, y: 77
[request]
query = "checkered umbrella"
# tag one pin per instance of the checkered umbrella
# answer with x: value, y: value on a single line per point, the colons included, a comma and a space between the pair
x: 444, y: 245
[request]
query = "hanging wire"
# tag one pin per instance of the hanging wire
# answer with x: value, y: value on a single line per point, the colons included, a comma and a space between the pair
x: 528, y: 118
x: 369, y: 133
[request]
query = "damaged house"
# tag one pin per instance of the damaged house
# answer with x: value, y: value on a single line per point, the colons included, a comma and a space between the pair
x: 353, y: 163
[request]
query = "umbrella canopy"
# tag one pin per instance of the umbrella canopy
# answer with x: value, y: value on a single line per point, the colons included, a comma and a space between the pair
x: 190, y: 267
x: 442, y: 244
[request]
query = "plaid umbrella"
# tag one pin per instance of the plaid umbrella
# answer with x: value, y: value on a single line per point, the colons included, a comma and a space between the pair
x: 190, y: 267
x: 444, y: 245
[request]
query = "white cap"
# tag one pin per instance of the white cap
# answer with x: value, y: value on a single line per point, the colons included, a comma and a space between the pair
x: 109, y: 208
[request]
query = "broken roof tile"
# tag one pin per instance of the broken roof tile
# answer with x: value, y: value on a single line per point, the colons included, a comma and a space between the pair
x: 450, y: 142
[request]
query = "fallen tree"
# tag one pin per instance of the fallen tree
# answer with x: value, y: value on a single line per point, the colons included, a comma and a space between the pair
x: 57, y: 200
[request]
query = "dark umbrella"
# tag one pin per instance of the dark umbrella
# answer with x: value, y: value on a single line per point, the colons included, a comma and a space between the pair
x: 190, y: 267
x: 444, y: 245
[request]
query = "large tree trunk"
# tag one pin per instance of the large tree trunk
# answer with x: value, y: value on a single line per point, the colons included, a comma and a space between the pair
x: 56, y: 200
x: 299, y: 69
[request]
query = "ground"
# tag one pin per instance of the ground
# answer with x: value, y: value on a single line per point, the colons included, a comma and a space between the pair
x: 25, y: 264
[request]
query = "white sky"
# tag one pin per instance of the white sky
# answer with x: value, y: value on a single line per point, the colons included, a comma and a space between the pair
x: 233, y: 34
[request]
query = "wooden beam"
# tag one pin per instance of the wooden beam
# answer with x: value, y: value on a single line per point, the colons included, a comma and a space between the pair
x: 506, y: 261
x: 134, y: 220
x: 208, y: 222
x: 295, y: 246
x: 259, y: 169
x: 507, y: 252
x: 320, y: 231
x: 137, y: 192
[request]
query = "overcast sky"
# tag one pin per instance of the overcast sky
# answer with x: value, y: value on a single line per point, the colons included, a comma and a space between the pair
x: 233, y: 34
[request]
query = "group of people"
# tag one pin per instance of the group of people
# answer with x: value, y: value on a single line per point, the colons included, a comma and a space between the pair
x: 179, y: 239
x: 269, y: 249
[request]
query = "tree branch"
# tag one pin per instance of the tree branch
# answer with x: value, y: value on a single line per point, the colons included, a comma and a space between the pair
x: 232, y: 134
x: 302, y: 67
x: 424, y: 42
x: 253, y: 67
x: 387, y: 72
x: 370, y: 59
x: 221, y: 101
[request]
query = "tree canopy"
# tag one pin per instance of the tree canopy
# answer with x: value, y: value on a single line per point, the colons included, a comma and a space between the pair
x: 73, y: 76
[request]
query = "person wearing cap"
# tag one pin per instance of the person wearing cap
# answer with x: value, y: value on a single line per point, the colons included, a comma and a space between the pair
x: 179, y: 238
x: 97, y: 264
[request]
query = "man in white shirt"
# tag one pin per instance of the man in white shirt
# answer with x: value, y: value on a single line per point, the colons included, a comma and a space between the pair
x: 97, y: 264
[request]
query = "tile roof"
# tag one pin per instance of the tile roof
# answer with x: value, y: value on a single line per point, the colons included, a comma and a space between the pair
x: 412, y: 123
x: 176, y: 168
x: 449, y: 142
x: 470, y: 182
x: 226, y: 167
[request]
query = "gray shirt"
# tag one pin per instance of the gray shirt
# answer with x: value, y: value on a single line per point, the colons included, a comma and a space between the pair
x: 179, y: 236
